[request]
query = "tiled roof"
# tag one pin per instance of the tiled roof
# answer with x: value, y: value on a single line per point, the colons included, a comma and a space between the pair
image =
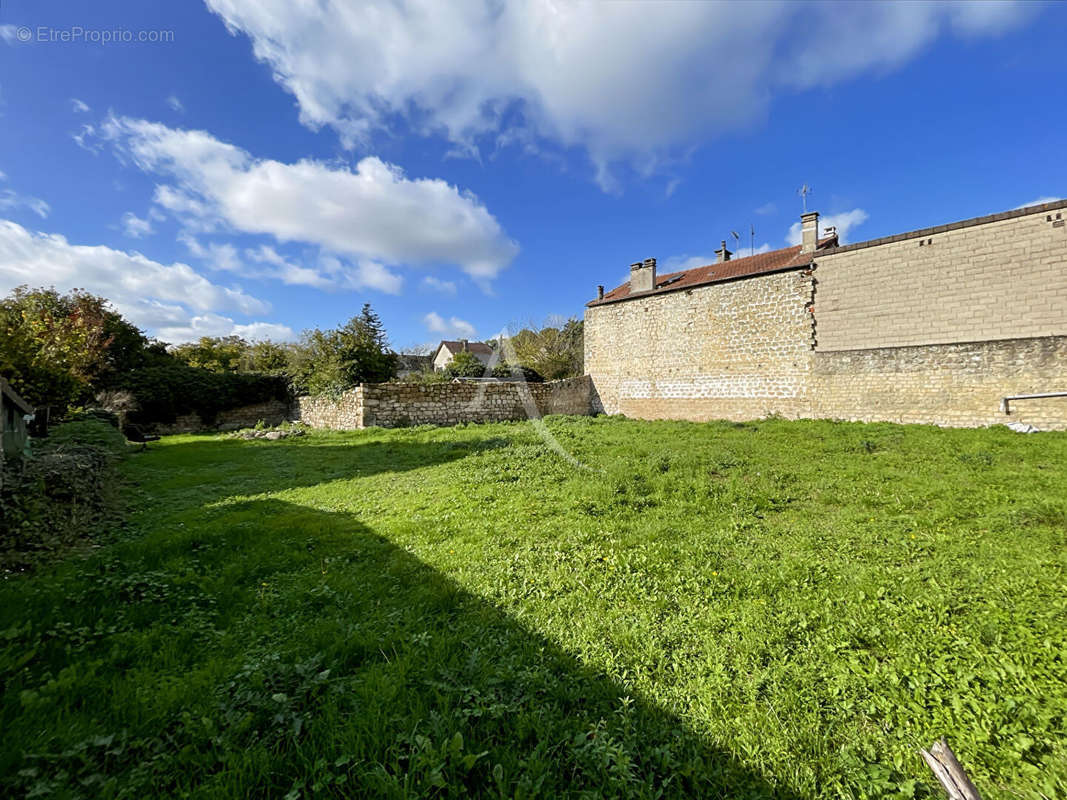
x: 759, y: 264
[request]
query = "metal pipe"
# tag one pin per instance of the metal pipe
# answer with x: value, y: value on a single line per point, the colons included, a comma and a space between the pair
x: 1004, y: 400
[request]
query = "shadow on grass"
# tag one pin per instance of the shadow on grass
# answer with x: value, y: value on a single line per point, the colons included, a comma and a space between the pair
x: 278, y: 650
x: 430, y: 691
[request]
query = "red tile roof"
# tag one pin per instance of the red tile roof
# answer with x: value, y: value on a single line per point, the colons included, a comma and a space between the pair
x: 760, y: 264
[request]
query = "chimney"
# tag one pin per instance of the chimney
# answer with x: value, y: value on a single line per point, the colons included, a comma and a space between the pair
x: 599, y: 292
x: 464, y: 343
x: 723, y: 253
x: 643, y: 275
x: 809, y: 231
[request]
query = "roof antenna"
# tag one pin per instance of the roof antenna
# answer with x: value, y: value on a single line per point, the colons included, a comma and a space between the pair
x: 804, y: 191
x: 752, y: 239
x: 737, y: 240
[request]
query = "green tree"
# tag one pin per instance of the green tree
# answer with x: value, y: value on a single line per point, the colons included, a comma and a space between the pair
x: 216, y: 353
x: 54, y: 347
x: 551, y: 351
x: 465, y: 365
x: 334, y: 360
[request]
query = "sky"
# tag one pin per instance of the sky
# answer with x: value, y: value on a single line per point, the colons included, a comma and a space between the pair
x: 261, y: 167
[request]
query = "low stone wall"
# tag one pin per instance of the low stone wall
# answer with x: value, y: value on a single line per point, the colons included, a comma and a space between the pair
x: 396, y: 405
x: 272, y: 412
x: 958, y: 385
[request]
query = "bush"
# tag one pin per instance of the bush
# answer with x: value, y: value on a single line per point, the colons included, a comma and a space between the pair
x: 164, y: 392
x: 64, y: 493
x: 508, y: 372
x: 465, y: 365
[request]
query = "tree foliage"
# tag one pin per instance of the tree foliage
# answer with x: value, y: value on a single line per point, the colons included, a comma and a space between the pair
x: 552, y: 351
x: 465, y: 365
x: 55, y: 347
x: 338, y: 359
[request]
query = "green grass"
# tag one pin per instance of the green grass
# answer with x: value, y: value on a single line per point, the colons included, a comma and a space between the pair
x: 785, y: 609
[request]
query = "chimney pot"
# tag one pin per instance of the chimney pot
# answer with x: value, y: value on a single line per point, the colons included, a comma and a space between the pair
x: 464, y: 343
x: 599, y: 292
x: 809, y: 231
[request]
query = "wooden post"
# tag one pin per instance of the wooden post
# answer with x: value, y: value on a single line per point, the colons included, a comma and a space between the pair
x: 942, y: 762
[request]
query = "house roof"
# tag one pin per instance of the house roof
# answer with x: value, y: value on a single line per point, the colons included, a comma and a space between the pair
x: 759, y: 264
x: 479, y: 349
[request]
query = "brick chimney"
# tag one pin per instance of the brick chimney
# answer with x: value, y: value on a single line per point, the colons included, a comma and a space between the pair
x: 723, y: 253
x: 464, y: 343
x: 809, y: 231
x: 643, y: 275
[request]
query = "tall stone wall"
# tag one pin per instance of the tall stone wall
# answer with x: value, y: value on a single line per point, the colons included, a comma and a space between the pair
x: 1000, y: 277
x: 932, y: 326
x: 395, y: 405
x: 733, y: 350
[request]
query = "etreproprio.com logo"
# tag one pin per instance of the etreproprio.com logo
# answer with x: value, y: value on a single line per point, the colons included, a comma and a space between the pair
x: 77, y: 34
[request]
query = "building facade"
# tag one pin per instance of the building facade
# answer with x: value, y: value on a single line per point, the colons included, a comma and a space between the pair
x: 937, y: 325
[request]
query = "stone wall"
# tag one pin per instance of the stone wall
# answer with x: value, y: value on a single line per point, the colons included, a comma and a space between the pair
x: 733, y: 350
x: 979, y: 280
x: 272, y: 412
x: 395, y: 405
x: 932, y: 326
x: 958, y: 385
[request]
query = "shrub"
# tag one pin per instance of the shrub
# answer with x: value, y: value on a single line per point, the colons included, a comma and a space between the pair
x: 465, y: 365
x: 508, y: 372
x: 62, y: 494
x: 163, y: 392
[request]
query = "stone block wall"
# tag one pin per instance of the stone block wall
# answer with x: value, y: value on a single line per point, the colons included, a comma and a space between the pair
x: 1001, y: 277
x: 395, y: 405
x: 733, y: 350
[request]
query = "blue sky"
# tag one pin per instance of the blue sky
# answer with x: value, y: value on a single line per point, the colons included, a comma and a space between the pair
x: 260, y: 167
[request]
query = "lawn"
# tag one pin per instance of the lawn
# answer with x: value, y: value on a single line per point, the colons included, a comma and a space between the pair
x: 786, y: 609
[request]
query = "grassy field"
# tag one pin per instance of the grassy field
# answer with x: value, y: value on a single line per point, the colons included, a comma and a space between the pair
x: 786, y: 609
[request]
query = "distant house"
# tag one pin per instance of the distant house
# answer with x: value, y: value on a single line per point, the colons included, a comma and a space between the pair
x: 446, y: 351
x: 409, y: 363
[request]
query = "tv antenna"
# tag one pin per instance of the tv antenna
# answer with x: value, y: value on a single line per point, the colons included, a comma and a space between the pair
x: 804, y: 191
x: 737, y: 240
x: 752, y: 239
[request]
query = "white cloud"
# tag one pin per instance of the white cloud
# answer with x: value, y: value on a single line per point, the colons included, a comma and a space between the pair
x: 844, y: 222
x: 629, y: 82
x: 158, y: 297
x: 373, y: 213
x: 1038, y: 202
x: 437, y: 285
x: 78, y: 106
x: 451, y: 328
x: 9, y: 199
x: 175, y: 104
x: 218, y: 325
x: 135, y: 227
x: 766, y: 208
x: 686, y: 261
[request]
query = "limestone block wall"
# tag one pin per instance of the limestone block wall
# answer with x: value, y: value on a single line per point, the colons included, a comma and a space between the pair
x: 958, y: 385
x: 993, y: 278
x: 343, y: 412
x: 394, y: 405
x: 734, y: 350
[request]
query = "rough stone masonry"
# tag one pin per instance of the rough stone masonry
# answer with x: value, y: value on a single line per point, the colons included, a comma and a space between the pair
x: 934, y: 326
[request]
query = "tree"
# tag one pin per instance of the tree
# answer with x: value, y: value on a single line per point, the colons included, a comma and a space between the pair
x: 54, y: 347
x: 551, y: 351
x: 335, y: 360
x: 216, y: 353
x: 465, y: 365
